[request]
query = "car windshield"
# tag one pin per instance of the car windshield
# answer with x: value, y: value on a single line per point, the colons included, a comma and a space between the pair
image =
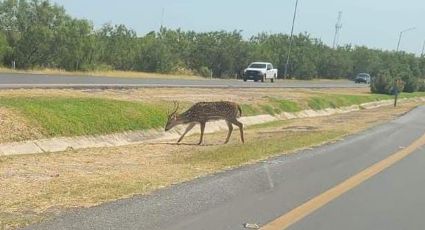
x: 258, y: 66
x: 363, y: 75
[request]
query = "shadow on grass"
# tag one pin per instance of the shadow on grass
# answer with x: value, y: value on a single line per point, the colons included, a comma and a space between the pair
x: 183, y: 144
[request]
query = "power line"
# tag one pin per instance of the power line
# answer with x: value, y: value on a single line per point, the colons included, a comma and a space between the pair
x: 338, y: 27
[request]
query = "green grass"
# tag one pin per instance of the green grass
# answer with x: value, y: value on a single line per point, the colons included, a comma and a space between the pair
x: 236, y: 154
x: 273, y: 106
x: 250, y: 110
x: 86, y: 116
x: 61, y: 116
x: 410, y: 95
x: 335, y: 101
x: 282, y: 105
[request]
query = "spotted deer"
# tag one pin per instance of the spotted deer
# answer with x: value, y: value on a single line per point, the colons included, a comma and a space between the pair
x: 203, y: 112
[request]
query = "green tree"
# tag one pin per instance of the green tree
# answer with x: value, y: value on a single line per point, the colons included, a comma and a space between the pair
x: 383, y: 83
x: 335, y: 64
x: 118, y: 46
x: 154, y: 55
x: 4, y: 47
x: 72, y: 45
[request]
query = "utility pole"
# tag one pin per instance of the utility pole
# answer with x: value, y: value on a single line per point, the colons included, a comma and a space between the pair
x: 338, y: 27
x: 290, y: 41
x: 401, y: 34
x: 162, y: 16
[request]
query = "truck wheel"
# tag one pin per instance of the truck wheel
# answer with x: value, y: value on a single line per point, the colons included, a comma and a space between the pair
x: 245, y: 79
x: 272, y: 80
x: 263, y: 78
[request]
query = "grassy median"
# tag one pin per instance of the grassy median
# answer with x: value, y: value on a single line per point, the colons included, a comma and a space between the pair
x: 74, y: 113
x: 86, y: 116
x: 317, y: 101
x: 36, y: 187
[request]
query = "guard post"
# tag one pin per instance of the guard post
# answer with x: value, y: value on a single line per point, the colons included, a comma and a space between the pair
x: 396, y: 91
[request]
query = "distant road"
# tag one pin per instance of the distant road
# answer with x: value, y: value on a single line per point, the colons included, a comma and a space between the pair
x: 260, y: 193
x: 11, y: 81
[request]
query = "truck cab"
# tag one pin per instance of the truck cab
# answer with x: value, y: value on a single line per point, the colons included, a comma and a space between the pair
x: 260, y: 71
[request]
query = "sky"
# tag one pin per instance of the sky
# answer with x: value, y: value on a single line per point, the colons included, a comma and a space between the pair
x: 374, y: 23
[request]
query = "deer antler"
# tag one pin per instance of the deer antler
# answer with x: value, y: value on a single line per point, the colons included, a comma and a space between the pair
x: 176, y: 108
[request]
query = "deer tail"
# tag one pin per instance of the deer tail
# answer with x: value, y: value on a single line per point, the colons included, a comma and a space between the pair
x: 240, y: 110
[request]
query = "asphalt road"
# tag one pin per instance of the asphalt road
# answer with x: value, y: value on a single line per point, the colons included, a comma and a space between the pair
x: 260, y: 193
x: 8, y: 81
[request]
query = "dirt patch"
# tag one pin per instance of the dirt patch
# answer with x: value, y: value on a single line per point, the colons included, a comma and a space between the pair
x: 14, y: 127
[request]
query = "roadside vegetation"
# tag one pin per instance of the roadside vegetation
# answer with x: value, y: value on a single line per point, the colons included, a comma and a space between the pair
x: 63, y: 116
x: 100, y: 73
x: 40, y: 34
x: 318, y: 101
x: 76, y: 115
x: 35, y: 188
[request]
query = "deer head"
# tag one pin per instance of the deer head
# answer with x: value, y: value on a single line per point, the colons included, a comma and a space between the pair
x: 173, y: 118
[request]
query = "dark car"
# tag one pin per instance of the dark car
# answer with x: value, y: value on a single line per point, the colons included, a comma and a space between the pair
x: 362, y: 78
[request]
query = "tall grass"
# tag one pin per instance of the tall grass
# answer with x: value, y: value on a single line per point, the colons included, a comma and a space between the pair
x: 335, y: 101
x: 86, y: 116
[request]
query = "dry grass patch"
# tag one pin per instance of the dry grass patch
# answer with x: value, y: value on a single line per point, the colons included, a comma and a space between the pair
x: 43, y: 93
x: 180, y: 94
x: 36, y: 186
x: 116, y: 74
x: 14, y: 127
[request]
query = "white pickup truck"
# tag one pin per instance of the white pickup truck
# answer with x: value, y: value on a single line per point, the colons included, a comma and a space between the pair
x: 260, y: 71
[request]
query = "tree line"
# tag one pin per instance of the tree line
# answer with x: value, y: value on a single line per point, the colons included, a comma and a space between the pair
x: 40, y: 34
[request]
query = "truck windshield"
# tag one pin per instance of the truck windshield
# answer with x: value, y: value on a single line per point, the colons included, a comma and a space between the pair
x: 258, y: 66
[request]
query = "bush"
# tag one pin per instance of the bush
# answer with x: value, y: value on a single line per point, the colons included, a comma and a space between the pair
x: 421, y: 87
x: 411, y: 84
x: 205, y: 71
x: 383, y: 83
x: 183, y: 71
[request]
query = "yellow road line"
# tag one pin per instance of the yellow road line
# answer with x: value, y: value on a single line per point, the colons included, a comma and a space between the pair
x: 319, y: 201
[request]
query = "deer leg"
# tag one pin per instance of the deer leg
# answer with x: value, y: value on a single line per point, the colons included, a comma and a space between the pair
x: 202, y: 133
x: 229, y: 124
x: 190, y: 127
x: 240, y: 125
